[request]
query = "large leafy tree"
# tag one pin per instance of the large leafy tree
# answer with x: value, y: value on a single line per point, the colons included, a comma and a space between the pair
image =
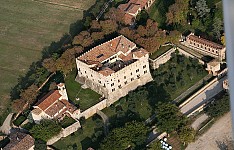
x: 169, y: 117
x: 187, y: 134
x: 133, y: 135
x: 30, y: 94
x: 45, y: 130
x: 217, y: 28
x: 202, y: 8
x: 177, y: 12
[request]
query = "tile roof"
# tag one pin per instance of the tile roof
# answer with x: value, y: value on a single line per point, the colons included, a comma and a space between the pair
x: 205, y: 42
x: 125, y: 7
x: 140, y: 52
x: 106, y: 71
x: 71, y: 108
x: 55, y: 108
x: 108, y: 49
x: 19, y: 141
x: 125, y: 58
x: 48, y: 99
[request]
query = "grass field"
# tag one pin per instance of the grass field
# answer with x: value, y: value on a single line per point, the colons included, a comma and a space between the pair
x: 87, y: 97
x: 26, y: 27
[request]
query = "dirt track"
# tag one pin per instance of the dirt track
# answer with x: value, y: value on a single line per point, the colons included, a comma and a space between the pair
x: 220, y: 131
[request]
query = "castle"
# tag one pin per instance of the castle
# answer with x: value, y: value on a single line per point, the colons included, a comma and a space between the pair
x: 114, y: 68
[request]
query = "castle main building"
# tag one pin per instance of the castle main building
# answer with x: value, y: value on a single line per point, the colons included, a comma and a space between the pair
x: 114, y: 68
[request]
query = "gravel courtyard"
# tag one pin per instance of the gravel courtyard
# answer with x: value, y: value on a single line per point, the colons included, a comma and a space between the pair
x: 220, y: 132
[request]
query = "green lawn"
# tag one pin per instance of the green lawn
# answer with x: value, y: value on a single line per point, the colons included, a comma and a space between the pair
x: 160, y: 51
x: 82, y: 139
x: 87, y: 97
x: 26, y: 27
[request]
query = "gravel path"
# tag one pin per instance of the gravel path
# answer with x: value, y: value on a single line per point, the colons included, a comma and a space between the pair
x: 220, y: 131
x: 6, y: 126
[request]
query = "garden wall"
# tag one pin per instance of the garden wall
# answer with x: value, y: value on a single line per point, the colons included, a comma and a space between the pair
x: 64, y: 133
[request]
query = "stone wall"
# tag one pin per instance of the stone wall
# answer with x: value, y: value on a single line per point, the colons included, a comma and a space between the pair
x: 64, y: 133
x: 161, y: 59
x: 182, y: 52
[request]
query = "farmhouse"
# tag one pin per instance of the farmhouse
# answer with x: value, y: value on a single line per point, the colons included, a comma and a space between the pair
x: 20, y: 141
x: 132, y: 8
x: 205, y: 46
x: 54, y: 105
x: 114, y: 68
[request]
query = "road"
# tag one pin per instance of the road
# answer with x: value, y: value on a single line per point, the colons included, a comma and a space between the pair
x: 6, y: 126
x: 203, y: 97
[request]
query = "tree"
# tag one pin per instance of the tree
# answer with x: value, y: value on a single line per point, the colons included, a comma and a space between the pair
x: 30, y: 94
x: 115, y: 14
x: 202, y: 8
x: 83, y: 38
x: 155, y: 146
x: 223, y: 41
x: 97, y: 36
x: 18, y: 104
x: 49, y: 64
x: 45, y: 130
x: 95, y: 26
x: 219, y: 106
x: 169, y: 117
x: 177, y: 12
x: 217, y: 28
x: 133, y: 135
x: 187, y: 134
x: 40, y: 145
x: 108, y: 26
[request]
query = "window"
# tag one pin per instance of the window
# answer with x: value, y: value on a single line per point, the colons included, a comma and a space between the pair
x: 138, y: 76
x: 144, y: 66
x: 85, y: 72
x: 120, y: 86
x: 145, y: 71
x: 112, y: 84
x: 113, y: 89
x: 91, y: 75
x: 125, y: 82
x: 124, y: 77
x: 132, y: 79
x: 99, y: 81
x: 118, y: 80
x: 137, y: 70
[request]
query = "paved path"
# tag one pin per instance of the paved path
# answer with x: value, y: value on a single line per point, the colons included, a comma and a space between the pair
x: 220, y: 131
x: 6, y: 126
x: 203, y: 97
x: 196, y: 124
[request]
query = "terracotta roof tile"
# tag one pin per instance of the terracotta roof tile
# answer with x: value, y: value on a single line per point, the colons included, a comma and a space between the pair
x: 108, y: 49
x: 19, y: 141
x: 106, y: 71
x: 140, y: 52
x: 205, y: 42
x: 55, y: 108
x: 48, y: 99
x: 71, y: 108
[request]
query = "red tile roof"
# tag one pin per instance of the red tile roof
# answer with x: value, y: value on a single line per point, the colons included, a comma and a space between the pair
x: 19, y: 141
x: 205, y: 42
x: 55, y: 108
x: 140, y: 52
x: 108, y: 49
x: 48, y: 99
x: 106, y: 71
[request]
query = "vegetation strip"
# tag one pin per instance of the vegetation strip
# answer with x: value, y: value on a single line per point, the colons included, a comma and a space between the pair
x: 53, y: 3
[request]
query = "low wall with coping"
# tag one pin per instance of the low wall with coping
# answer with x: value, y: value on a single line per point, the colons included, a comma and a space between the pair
x: 64, y: 133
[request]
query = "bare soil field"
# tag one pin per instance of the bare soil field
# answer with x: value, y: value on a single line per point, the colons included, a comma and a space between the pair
x: 216, y: 137
x: 26, y: 27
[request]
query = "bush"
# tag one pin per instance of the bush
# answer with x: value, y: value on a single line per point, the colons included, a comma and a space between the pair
x: 19, y: 120
x: 219, y: 107
x: 67, y: 121
x: 45, y: 130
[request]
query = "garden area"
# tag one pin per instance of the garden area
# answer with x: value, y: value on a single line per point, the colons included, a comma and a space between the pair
x: 160, y: 51
x: 87, y: 97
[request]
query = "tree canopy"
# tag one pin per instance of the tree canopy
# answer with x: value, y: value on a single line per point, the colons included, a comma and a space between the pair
x: 133, y: 135
x: 45, y: 130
